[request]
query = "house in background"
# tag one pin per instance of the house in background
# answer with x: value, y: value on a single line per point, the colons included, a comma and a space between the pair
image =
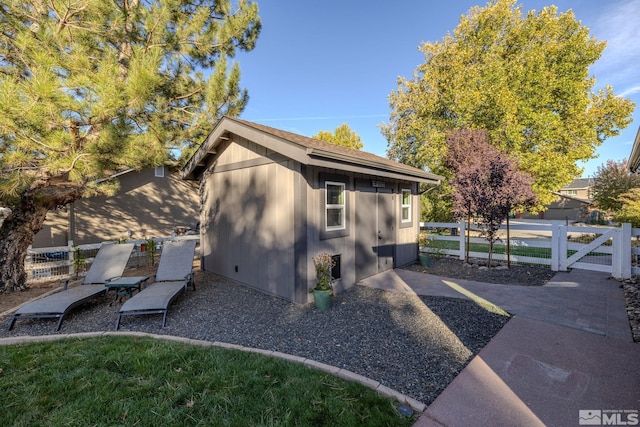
x: 568, y: 208
x: 573, y: 203
x: 273, y: 200
x: 579, y: 189
x: 150, y: 203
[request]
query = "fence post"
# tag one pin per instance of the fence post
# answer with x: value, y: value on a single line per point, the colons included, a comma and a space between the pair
x: 72, y: 268
x: 563, y: 247
x: 621, y: 262
x: 462, y: 238
x: 555, y: 246
x: 558, y: 247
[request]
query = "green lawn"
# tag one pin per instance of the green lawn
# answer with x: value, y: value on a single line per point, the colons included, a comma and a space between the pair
x: 501, y: 248
x: 497, y: 248
x: 147, y: 382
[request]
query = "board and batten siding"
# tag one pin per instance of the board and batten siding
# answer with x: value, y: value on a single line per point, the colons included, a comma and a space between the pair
x: 407, y: 236
x: 316, y: 242
x: 248, y: 213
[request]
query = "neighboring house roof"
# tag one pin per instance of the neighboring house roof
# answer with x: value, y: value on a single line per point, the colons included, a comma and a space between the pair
x: 579, y: 184
x: 577, y: 199
x: 303, y: 149
x: 634, y: 158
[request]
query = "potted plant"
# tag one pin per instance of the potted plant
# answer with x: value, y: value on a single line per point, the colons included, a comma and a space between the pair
x: 424, y: 243
x: 323, y: 290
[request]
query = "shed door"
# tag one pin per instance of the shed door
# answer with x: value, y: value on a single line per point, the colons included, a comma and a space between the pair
x: 375, y: 231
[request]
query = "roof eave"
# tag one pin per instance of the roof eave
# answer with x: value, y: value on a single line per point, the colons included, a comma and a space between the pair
x: 634, y: 158
x: 206, y: 149
x: 305, y: 155
x: 399, y: 171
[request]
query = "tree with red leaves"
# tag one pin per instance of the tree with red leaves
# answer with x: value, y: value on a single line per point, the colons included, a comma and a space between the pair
x: 487, y: 182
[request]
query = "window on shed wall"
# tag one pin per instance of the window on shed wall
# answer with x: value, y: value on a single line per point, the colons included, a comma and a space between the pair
x: 334, y: 205
x: 406, y: 205
x: 160, y: 171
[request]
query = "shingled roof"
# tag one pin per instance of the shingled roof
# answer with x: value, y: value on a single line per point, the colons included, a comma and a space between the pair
x: 303, y: 149
x: 579, y: 184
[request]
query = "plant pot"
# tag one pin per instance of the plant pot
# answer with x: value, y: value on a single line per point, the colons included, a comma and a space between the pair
x: 322, y: 299
x: 425, y: 259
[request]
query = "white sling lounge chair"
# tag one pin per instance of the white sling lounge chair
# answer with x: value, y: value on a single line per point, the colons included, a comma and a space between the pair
x: 173, y: 276
x: 108, y: 264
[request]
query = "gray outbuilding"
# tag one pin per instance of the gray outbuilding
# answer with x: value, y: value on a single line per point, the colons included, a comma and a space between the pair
x: 272, y: 200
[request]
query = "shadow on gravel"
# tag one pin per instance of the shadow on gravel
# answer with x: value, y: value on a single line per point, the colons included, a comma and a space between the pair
x: 416, y: 345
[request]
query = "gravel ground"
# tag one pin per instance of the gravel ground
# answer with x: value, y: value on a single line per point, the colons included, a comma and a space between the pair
x: 416, y: 345
x: 632, y: 297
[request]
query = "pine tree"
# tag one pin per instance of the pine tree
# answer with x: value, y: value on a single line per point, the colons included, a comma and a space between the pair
x: 92, y: 87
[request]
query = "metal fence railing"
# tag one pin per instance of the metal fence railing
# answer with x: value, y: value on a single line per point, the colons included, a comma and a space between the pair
x: 63, y: 262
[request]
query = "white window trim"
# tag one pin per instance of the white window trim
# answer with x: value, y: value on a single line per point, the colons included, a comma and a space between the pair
x: 342, y: 207
x: 159, y: 171
x: 403, y: 206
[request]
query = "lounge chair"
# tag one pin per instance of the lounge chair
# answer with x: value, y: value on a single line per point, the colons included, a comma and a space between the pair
x: 174, y: 275
x: 108, y: 264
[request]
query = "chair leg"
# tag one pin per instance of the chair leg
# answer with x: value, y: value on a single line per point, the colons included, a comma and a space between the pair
x: 13, y: 322
x: 59, y: 323
x: 118, y: 321
x: 164, y: 318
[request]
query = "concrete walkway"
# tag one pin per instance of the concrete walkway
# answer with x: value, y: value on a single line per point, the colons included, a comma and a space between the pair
x: 568, y: 349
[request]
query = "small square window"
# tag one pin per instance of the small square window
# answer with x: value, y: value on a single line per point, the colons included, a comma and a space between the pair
x: 405, y: 207
x: 160, y: 171
x: 335, y: 270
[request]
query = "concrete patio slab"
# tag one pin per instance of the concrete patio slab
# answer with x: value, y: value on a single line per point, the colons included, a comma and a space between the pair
x: 566, y: 353
x: 537, y: 373
x: 585, y: 300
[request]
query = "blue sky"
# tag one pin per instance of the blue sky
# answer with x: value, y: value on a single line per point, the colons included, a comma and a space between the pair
x: 318, y: 64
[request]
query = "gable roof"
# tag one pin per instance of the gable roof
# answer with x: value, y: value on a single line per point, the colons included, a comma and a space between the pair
x: 579, y: 183
x: 303, y: 149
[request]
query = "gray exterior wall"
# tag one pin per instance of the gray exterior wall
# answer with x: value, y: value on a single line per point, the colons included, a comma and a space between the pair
x: 263, y: 221
x: 407, y: 238
x: 248, y: 218
x: 55, y: 230
x: 147, y: 205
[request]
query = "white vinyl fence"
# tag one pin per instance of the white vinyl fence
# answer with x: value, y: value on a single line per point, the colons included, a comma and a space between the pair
x: 556, y: 245
x: 57, y: 263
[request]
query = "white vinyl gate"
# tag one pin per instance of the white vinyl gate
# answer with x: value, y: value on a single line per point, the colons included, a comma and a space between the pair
x: 614, y: 250
x: 610, y: 252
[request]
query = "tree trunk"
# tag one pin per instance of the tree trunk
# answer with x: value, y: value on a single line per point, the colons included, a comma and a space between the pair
x: 508, y: 245
x: 468, y: 237
x: 20, y: 227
